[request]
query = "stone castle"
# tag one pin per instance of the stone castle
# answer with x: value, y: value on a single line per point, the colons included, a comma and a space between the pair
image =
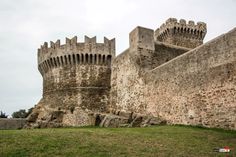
x: 167, y: 74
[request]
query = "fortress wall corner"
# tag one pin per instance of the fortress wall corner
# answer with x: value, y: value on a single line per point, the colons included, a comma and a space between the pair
x: 127, y: 84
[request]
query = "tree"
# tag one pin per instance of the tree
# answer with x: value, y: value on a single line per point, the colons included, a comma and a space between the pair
x: 22, y: 113
x: 3, y: 115
x: 29, y: 111
x: 19, y: 114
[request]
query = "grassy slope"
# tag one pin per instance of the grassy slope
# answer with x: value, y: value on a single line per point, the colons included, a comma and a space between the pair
x: 118, y: 142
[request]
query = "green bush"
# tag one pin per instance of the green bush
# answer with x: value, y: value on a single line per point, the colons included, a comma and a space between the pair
x: 3, y: 115
x: 21, y: 113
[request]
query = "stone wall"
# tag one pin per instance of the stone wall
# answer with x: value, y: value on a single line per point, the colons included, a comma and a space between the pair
x: 12, y: 123
x: 126, y: 84
x: 158, y: 75
x: 165, y: 52
x: 128, y: 69
x: 76, y: 82
x: 79, y: 85
x: 197, y: 88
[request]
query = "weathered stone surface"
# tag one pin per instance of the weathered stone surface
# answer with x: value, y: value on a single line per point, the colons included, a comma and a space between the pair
x: 33, y: 117
x: 136, y: 122
x: 113, y: 121
x: 127, y: 120
x: 196, y: 88
x: 159, y: 79
x: 141, y: 120
x: 12, y: 123
x: 76, y: 81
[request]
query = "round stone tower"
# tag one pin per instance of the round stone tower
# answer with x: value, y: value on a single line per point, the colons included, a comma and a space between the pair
x: 180, y: 33
x: 76, y: 82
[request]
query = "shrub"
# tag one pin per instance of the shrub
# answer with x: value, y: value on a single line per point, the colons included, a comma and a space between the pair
x: 3, y: 115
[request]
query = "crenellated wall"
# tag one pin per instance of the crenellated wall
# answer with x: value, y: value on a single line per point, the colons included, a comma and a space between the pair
x: 73, y: 52
x: 88, y: 46
x: 189, y: 35
x: 69, y: 66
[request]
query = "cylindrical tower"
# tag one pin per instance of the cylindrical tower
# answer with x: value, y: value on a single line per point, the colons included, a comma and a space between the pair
x: 76, y: 81
x: 180, y: 33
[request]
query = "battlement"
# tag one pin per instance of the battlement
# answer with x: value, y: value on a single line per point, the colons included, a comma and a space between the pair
x: 74, y: 52
x: 181, y: 33
x: 71, y: 46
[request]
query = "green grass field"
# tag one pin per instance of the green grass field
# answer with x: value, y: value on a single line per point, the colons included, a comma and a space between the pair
x: 116, y: 142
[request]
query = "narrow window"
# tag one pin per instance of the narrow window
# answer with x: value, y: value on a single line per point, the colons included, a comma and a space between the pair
x: 188, y: 30
x: 103, y: 59
x: 95, y: 59
x: 58, y: 61
x: 82, y: 58
x: 201, y: 34
x: 55, y: 63
x: 65, y: 60
x: 191, y: 31
x: 51, y: 62
x: 78, y: 58
x: 86, y: 58
x: 49, y: 65
x: 74, y: 61
x: 91, y: 59
x: 99, y: 59
x: 69, y: 59
x: 62, y: 61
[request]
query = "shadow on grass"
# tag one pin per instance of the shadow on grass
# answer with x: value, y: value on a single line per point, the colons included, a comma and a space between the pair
x: 206, y: 128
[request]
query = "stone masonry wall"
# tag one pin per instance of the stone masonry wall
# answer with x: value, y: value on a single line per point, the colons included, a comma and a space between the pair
x: 126, y: 84
x: 80, y: 80
x: 197, y: 88
x: 76, y: 82
x: 12, y: 123
x: 128, y: 69
x: 159, y: 75
x: 165, y: 52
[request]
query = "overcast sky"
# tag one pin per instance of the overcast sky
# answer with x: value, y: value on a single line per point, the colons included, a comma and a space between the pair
x: 26, y: 24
